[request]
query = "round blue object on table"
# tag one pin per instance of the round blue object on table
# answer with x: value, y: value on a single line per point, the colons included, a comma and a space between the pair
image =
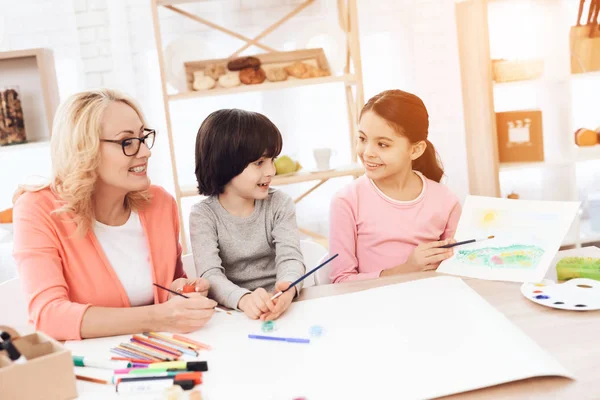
x: 316, y: 330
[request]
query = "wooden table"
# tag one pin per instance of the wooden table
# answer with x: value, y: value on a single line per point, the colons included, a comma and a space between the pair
x: 572, y: 338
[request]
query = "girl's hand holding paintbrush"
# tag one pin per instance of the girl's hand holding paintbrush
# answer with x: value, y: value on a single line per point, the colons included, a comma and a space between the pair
x: 428, y: 256
x: 425, y: 257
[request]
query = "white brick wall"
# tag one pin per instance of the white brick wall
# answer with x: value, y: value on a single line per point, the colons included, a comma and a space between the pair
x: 407, y: 44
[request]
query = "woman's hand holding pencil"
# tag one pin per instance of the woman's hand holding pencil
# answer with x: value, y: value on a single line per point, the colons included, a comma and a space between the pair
x: 184, y: 315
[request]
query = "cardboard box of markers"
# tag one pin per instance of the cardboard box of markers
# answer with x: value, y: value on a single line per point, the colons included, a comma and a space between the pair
x: 34, y: 366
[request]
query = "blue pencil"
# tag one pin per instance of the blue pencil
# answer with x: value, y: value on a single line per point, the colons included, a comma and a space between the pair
x: 279, y: 339
x: 303, y: 277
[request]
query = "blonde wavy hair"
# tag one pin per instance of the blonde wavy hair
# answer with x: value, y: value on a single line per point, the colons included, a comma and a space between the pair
x: 75, y: 155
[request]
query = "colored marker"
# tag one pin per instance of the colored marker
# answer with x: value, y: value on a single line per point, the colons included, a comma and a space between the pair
x: 156, y: 346
x: 279, y: 339
x: 13, y: 353
x: 128, y: 370
x: 184, y: 350
x: 80, y: 361
x: 170, y: 339
x: 189, y: 365
x: 177, y: 375
x: 131, y: 360
x: 303, y: 277
x: 192, y: 342
x: 126, y: 353
x: 90, y: 379
x: 141, y: 385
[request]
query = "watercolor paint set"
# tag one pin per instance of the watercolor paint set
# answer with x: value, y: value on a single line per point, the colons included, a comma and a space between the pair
x: 579, y: 294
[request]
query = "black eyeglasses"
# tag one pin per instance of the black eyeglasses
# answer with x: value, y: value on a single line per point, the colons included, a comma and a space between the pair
x: 131, y: 146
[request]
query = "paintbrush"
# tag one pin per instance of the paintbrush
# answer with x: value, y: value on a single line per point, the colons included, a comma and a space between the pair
x: 303, y: 277
x: 187, y: 297
x: 447, y: 246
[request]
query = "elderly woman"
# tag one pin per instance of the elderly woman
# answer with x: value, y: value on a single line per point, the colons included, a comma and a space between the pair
x: 90, y: 245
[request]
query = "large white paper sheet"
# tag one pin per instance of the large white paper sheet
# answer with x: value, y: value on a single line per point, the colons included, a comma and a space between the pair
x: 527, y: 235
x: 415, y: 340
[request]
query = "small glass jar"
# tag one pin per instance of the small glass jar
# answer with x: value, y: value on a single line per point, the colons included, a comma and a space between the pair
x: 12, y: 123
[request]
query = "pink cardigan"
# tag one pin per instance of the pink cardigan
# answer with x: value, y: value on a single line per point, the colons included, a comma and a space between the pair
x: 63, y: 274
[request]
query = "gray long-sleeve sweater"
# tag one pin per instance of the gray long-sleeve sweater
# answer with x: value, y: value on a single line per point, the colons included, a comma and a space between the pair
x: 240, y: 254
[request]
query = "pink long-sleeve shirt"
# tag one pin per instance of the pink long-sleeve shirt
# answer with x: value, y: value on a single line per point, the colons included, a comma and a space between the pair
x: 372, y: 232
x: 63, y: 274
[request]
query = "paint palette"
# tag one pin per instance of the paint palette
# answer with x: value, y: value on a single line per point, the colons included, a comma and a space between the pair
x: 579, y: 294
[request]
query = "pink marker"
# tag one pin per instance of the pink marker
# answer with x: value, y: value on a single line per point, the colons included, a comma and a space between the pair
x: 126, y: 370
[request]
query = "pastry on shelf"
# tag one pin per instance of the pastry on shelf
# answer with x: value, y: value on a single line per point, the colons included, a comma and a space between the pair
x: 215, y: 71
x: 238, y: 64
x: 277, y: 74
x: 297, y: 69
x: 203, y: 82
x: 229, y: 80
x: 252, y: 76
x: 302, y: 70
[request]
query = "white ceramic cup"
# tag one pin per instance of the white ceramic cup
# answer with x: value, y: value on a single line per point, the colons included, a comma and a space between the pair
x: 322, y: 157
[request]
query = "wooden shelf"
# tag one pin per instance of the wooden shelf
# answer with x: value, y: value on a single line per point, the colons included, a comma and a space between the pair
x: 588, y: 153
x: 316, y: 176
x: 290, y: 83
x: 587, y: 74
x: 174, y: 2
x: 299, y: 177
x: 351, y: 80
x: 511, y: 166
x: 32, y: 70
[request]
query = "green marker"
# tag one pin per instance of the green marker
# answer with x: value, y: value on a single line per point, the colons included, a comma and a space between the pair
x: 80, y: 361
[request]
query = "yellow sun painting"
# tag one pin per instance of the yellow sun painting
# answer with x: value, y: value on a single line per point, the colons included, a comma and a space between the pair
x: 488, y: 218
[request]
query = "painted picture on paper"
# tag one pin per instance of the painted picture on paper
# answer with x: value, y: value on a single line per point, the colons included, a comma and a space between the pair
x: 526, y: 236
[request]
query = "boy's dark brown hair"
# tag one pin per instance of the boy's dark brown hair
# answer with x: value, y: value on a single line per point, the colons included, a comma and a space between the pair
x: 227, y: 141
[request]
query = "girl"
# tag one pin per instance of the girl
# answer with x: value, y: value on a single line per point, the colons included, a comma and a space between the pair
x: 394, y: 218
x: 244, y: 235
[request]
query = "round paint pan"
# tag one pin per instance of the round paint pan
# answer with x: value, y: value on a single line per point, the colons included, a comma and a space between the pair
x: 579, y: 294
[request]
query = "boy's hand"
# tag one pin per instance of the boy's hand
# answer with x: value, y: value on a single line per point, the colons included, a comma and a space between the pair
x: 282, y: 303
x: 256, y: 303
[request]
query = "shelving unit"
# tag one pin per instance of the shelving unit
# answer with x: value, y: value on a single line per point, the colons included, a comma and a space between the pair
x: 351, y: 78
x: 552, y: 93
x: 32, y: 70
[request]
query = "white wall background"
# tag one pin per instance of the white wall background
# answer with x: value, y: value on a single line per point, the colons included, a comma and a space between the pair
x: 405, y: 44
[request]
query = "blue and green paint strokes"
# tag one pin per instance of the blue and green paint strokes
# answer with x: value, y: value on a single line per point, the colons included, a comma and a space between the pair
x: 514, y: 256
